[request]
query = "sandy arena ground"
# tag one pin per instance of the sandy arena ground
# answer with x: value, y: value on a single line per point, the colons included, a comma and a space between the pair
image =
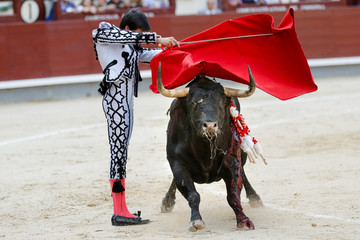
x: 54, y: 161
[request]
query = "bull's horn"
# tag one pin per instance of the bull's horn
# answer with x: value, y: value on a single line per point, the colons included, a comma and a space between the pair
x: 230, y: 92
x: 182, y: 92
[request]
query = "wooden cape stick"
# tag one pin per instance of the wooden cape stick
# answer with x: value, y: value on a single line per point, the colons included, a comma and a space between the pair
x: 227, y: 38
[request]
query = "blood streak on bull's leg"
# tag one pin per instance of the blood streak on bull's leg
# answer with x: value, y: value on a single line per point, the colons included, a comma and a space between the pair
x: 234, y: 180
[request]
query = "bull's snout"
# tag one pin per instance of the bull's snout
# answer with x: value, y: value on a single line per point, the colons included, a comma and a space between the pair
x: 210, y: 128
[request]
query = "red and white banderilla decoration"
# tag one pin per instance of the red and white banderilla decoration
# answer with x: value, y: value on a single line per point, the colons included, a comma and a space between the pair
x: 247, y: 143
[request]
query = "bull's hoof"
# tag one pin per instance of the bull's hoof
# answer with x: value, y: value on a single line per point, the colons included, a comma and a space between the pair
x: 166, y: 209
x: 167, y: 204
x: 196, y: 225
x: 246, y: 224
x: 256, y: 203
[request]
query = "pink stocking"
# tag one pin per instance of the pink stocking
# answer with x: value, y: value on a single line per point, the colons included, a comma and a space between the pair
x: 119, y: 202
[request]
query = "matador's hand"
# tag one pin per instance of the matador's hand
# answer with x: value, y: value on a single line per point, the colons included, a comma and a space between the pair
x: 167, y: 42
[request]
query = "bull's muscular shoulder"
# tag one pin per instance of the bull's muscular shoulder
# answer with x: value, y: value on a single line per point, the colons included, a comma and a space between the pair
x: 178, y: 119
x: 177, y: 108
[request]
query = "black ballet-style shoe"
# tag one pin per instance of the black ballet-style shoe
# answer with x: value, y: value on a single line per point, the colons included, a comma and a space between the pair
x: 117, y: 220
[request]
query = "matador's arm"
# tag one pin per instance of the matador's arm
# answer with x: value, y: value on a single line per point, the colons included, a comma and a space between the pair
x: 110, y: 34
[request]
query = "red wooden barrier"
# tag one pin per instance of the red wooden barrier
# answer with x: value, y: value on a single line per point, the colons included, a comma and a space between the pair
x: 45, y: 49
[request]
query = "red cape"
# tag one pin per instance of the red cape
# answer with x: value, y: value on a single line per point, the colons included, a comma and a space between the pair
x: 277, y: 62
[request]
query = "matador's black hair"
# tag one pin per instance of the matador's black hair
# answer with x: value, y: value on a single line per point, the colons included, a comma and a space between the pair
x: 135, y: 19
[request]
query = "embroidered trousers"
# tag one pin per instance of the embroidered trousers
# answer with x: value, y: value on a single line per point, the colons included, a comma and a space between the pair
x: 118, y: 109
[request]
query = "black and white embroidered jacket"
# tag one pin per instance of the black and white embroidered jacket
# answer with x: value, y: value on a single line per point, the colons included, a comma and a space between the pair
x: 119, y: 52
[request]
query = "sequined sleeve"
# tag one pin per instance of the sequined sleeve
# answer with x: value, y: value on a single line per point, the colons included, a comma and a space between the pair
x: 114, y: 35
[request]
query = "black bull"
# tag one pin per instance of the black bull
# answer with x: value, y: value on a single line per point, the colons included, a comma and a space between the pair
x: 201, y: 147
